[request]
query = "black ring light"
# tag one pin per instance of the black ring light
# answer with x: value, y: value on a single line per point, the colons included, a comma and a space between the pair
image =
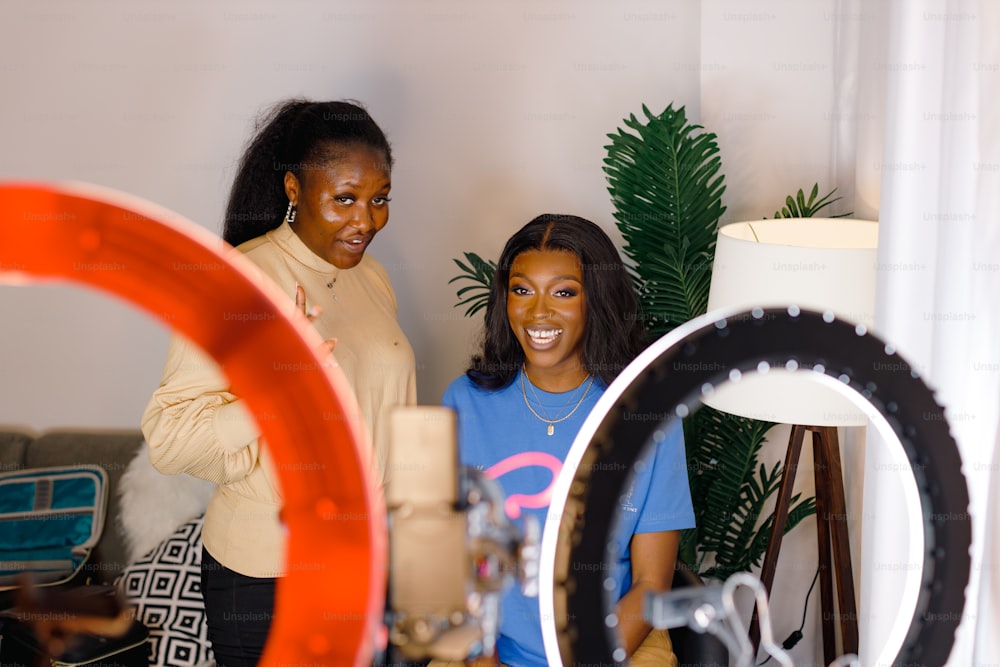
x: 671, y: 384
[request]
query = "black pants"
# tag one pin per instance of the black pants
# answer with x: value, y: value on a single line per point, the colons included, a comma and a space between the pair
x: 238, y: 610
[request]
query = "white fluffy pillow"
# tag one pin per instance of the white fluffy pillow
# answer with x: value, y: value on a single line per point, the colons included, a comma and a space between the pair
x: 152, y: 505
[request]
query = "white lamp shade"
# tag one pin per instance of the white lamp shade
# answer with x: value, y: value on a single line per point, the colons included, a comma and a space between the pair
x: 821, y: 264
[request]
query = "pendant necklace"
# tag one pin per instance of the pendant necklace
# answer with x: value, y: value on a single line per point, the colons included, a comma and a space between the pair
x: 551, y: 422
x: 329, y: 284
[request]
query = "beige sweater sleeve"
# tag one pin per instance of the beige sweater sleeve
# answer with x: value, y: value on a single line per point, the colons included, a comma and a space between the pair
x: 194, y: 425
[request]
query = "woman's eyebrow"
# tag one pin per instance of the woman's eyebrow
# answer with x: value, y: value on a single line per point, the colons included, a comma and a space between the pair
x: 569, y: 276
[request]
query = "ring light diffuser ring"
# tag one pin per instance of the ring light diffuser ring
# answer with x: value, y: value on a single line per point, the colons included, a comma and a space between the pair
x: 329, y: 607
x: 669, y: 377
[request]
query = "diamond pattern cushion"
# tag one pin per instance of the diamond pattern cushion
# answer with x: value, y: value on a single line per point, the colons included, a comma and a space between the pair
x: 165, y: 588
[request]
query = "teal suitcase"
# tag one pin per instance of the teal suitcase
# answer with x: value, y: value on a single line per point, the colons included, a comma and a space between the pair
x: 50, y: 520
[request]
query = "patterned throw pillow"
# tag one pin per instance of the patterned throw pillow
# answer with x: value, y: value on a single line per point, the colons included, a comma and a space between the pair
x: 165, y: 588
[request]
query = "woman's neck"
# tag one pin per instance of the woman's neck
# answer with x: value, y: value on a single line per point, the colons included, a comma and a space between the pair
x: 556, y: 380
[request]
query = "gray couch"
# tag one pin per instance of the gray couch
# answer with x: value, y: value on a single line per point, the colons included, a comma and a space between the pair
x: 111, y: 449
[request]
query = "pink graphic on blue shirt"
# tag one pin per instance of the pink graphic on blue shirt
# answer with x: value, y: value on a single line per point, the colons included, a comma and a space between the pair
x: 515, y: 501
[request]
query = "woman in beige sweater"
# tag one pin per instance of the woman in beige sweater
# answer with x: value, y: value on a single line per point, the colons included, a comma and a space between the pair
x: 311, y: 192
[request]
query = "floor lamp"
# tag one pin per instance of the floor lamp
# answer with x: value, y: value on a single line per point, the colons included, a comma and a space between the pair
x: 826, y: 265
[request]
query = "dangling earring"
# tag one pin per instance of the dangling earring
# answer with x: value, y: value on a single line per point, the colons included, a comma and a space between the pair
x: 290, y: 213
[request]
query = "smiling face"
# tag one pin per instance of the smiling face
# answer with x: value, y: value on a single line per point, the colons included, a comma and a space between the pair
x: 547, y: 311
x: 341, y: 204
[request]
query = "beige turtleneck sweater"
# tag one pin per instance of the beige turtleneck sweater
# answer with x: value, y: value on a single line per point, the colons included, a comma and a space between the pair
x: 194, y: 425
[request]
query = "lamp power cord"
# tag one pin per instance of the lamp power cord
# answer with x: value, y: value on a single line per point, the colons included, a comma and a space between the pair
x: 796, y: 636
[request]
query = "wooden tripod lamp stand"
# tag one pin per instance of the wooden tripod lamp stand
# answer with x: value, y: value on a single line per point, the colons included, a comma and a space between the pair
x: 826, y: 265
x: 835, y: 569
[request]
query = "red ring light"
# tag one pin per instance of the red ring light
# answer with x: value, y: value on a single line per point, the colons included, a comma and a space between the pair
x: 329, y: 608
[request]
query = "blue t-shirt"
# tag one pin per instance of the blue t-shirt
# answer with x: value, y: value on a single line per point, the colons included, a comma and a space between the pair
x: 500, y: 436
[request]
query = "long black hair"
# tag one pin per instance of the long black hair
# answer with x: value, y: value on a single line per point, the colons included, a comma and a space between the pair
x: 614, y: 333
x: 292, y: 136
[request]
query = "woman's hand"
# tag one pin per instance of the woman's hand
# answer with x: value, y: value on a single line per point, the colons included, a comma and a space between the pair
x: 311, y: 314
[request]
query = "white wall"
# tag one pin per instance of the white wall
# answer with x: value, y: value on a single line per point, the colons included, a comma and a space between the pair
x: 497, y: 112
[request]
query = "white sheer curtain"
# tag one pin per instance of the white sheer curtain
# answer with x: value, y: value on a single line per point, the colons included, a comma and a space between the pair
x: 918, y: 91
x: 987, y: 288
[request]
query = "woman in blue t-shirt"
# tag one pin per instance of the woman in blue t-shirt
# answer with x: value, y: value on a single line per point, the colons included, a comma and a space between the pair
x: 562, y: 321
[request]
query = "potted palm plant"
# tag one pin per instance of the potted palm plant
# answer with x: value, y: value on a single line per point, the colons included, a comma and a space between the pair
x: 665, y: 181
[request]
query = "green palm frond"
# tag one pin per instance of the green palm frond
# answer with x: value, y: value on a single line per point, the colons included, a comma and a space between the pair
x: 797, y: 511
x: 722, y: 457
x: 664, y: 177
x: 480, y: 273
x: 665, y: 184
x: 731, y: 553
x: 799, y: 207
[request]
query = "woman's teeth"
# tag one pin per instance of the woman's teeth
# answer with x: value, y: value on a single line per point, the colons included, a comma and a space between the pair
x: 544, y: 337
